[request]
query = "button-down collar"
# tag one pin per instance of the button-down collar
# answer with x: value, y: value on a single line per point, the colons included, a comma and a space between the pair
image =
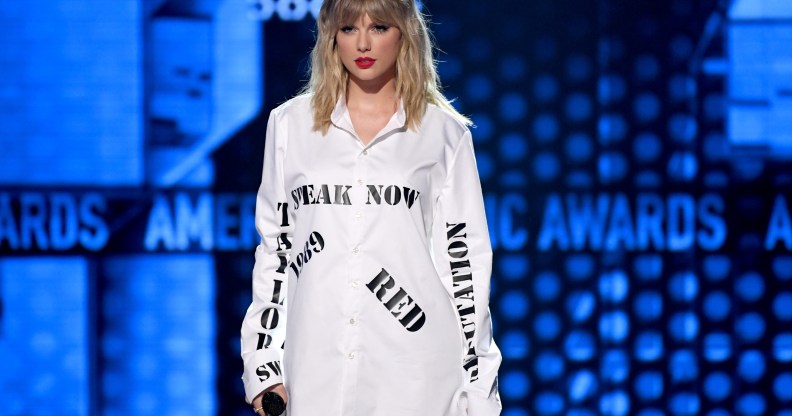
x: 341, y: 119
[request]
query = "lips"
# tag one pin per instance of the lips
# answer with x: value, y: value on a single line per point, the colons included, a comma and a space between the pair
x: 365, y: 62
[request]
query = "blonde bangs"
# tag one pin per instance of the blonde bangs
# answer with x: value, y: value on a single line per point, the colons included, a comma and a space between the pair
x: 346, y: 12
x: 417, y: 82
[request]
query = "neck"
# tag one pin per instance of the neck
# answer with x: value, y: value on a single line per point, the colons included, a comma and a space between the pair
x: 371, y: 94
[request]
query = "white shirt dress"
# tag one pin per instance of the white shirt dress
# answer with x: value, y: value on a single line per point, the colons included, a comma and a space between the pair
x: 371, y: 281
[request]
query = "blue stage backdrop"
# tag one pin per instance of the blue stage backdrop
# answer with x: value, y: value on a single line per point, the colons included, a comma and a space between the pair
x: 635, y: 157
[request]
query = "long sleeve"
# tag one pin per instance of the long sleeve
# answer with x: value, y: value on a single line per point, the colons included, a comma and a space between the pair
x: 463, y: 257
x: 264, y: 325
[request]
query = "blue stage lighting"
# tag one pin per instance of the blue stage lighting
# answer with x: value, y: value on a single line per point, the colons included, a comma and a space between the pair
x: 515, y: 385
x: 751, y: 404
x: 545, y: 88
x: 717, y: 306
x: 485, y: 165
x: 647, y: 147
x: 579, y: 345
x: 479, y: 48
x: 548, y: 403
x: 646, y: 67
x: 649, y: 346
x: 782, y: 306
x: 513, y: 147
x: 782, y: 267
x: 449, y: 68
x: 483, y: 127
x: 515, y: 411
x: 684, y: 326
x: 717, y: 386
x: 513, y: 68
x: 683, y: 366
x: 750, y: 287
x: 611, y: 128
x: 579, y: 179
x: 547, y: 286
x: 546, y: 166
x: 751, y: 365
x: 578, y: 107
x: 685, y: 404
x: 681, y: 47
x: 512, y: 107
x: 615, y: 403
x: 545, y: 128
x: 579, y: 412
x: 650, y: 412
x: 611, y: 88
x: 612, y: 166
x: 716, y: 267
x: 648, y: 267
x: 717, y: 347
x: 782, y: 387
x: 682, y: 166
x: 579, y: 267
x: 720, y: 412
x: 513, y: 267
x: 648, y: 306
x: 580, y: 306
x: 646, y: 107
x: 614, y: 326
x: 514, y: 345
x: 478, y: 87
x: 614, y: 366
x: 578, y: 67
x: 579, y: 147
x: 514, y: 305
x: 681, y: 87
x: 547, y: 326
x: 750, y: 327
x: 613, y: 286
x: 548, y: 365
x: 649, y: 385
x: 583, y: 385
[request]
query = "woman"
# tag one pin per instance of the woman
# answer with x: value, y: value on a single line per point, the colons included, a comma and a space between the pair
x: 375, y: 242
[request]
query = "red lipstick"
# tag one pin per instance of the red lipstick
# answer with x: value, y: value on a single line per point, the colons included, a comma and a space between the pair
x: 365, y: 62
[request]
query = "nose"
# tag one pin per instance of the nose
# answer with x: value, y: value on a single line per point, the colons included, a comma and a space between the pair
x: 364, y: 43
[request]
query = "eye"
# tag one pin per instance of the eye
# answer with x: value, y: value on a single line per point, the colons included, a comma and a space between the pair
x: 381, y: 28
x: 346, y: 29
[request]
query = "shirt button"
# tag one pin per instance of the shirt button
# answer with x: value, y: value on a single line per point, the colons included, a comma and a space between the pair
x: 355, y: 284
x: 365, y: 152
x: 360, y: 181
x: 358, y: 215
x: 356, y: 250
x: 351, y: 355
x: 352, y: 321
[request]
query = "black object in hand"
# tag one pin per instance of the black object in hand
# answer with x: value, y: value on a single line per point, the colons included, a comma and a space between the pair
x: 273, y: 404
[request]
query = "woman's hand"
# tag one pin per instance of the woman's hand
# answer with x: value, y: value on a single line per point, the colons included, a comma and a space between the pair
x: 277, y: 389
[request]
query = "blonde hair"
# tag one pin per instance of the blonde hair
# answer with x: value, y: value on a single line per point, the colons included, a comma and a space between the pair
x: 417, y: 82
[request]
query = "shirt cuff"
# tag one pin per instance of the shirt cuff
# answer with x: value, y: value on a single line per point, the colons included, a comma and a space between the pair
x: 262, y: 369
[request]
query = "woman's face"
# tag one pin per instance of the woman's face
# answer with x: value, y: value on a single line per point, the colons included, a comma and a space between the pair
x: 369, y: 50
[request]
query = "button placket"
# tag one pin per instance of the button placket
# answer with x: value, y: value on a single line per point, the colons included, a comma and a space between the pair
x: 356, y: 271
